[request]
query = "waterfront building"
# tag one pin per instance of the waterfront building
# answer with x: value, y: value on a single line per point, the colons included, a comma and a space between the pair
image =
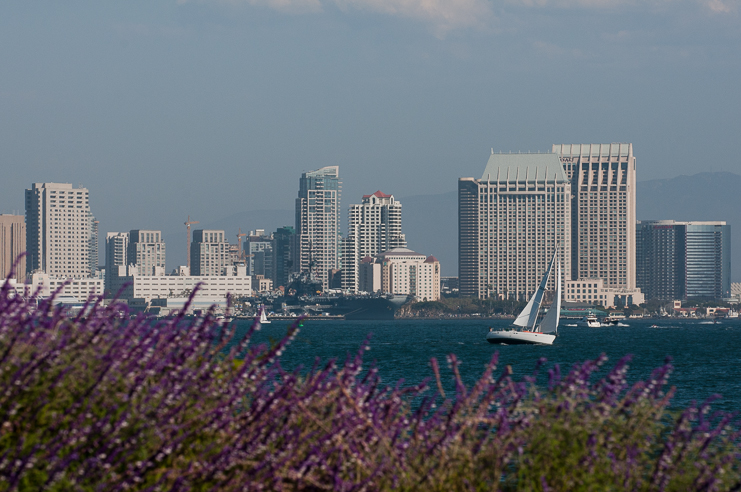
x: 374, y: 227
x: 401, y: 271
x: 511, y: 221
x: 116, y: 251
x: 44, y: 285
x: 595, y: 291
x: 233, y: 281
x: 318, y: 222
x: 285, y: 255
x: 12, y: 245
x: 684, y: 260
x: 603, y: 211
x: 146, y: 251
x: 209, y: 253
x: 58, y: 230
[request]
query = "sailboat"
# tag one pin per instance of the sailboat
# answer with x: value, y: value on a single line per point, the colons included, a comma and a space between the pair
x: 544, y: 333
x: 263, y: 317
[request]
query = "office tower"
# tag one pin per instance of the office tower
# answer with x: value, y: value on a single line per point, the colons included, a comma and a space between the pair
x: 374, y: 227
x: 116, y: 249
x: 401, y: 271
x: 318, y: 222
x: 660, y: 259
x: 209, y: 253
x: 603, y: 208
x: 146, y: 251
x: 12, y: 244
x: 58, y: 230
x: 510, y: 223
x: 259, y: 251
x: 684, y: 260
x: 93, y: 246
x: 285, y: 255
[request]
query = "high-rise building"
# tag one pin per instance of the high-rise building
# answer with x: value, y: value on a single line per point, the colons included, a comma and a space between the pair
x: 209, y: 253
x: 603, y: 208
x: 318, y: 222
x: 116, y: 249
x: 684, y: 260
x: 510, y: 223
x: 374, y: 227
x: 285, y: 255
x: 58, y: 230
x: 93, y: 258
x: 259, y: 252
x: 146, y: 251
x: 12, y: 244
x: 660, y: 259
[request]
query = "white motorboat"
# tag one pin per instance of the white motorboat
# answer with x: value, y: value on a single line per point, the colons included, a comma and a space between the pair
x: 532, y: 333
x: 589, y: 322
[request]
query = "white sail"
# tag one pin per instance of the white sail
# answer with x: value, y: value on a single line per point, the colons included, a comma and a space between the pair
x: 550, y: 321
x: 529, y: 315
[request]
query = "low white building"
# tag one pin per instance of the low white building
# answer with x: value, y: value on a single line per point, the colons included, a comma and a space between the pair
x: 133, y: 286
x: 79, y: 288
x: 594, y: 291
x: 401, y: 271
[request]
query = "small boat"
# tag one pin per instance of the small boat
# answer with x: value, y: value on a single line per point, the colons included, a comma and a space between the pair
x: 544, y: 333
x: 612, y: 320
x: 589, y: 322
x: 263, y: 317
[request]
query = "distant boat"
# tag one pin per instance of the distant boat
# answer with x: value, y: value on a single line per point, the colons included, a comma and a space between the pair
x: 263, y: 317
x: 732, y: 314
x: 544, y: 333
x: 590, y: 321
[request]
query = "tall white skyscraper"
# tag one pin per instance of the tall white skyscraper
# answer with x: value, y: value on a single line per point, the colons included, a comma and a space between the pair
x: 58, y: 230
x: 374, y: 227
x: 318, y: 222
x: 510, y: 223
x: 116, y: 247
x: 146, y: 251
x: 603, y: 207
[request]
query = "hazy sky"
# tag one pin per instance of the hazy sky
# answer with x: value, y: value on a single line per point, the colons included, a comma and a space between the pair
x: 211, y: 108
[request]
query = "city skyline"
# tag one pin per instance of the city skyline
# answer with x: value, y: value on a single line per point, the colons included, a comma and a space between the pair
x: 210, y: 108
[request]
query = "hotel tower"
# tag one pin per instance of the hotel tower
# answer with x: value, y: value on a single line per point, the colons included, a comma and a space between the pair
x: 603, y: 211
x: 511, y: 220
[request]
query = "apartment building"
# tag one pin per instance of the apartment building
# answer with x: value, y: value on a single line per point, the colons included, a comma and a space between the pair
x: 374, y: 227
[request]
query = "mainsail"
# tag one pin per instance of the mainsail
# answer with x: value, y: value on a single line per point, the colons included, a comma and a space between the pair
x: 550, y: 321
x: 529, y: 315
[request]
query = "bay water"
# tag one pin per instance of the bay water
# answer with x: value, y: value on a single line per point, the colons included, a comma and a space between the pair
x: 706, y: 356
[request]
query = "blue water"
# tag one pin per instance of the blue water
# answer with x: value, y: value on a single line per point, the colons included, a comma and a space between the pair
x: 706, y: 356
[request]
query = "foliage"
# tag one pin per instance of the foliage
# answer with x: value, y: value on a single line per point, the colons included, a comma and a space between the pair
x: 108, y: 402
x: 462, y: 305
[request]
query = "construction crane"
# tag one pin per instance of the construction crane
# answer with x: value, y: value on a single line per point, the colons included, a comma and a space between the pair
x: 188, y: 223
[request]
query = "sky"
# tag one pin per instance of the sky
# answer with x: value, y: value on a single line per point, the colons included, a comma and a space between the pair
x: 213, y: 108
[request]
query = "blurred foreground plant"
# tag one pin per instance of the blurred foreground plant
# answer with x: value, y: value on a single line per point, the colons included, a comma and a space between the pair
x: 109, y: 402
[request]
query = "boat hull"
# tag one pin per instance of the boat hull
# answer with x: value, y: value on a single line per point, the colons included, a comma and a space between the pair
x: 514, y: 337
